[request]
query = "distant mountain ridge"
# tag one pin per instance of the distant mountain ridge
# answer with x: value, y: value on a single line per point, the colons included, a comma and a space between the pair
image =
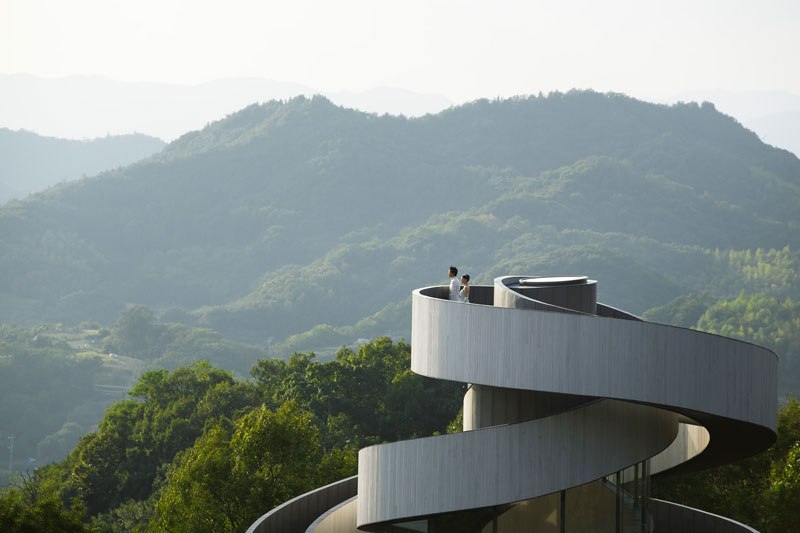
x: 77, y: 107
x: 774, y: 115
x: 286, y: 215
x: 30, y: 162
x: 90, y: 106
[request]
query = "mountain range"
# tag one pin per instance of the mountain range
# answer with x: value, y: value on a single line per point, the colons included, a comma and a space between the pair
x: 31, y: 162
x: 303, y: 224
x: 91, y: 106
x: 78, y: 107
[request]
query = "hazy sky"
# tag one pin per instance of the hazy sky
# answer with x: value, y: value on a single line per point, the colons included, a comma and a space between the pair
x: 460, y: 49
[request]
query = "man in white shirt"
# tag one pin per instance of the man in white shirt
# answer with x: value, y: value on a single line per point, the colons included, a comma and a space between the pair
x: 455, y: 285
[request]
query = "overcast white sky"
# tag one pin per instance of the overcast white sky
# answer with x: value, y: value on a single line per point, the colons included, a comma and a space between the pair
x: 460, y: 49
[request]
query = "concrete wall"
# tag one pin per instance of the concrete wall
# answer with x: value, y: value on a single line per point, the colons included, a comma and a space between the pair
x: 298, y: 513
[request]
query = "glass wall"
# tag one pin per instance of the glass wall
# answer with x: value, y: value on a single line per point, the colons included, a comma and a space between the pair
x: 614, y: 504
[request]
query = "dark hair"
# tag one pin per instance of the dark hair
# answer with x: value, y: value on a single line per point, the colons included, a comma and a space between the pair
x: 466, y: 276
x: 453, y: 270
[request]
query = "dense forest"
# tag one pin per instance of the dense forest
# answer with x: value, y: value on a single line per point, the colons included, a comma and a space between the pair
x: 195, y: 449
x: 288, y: 215
x: 161, y: 318
x: 196, y: 438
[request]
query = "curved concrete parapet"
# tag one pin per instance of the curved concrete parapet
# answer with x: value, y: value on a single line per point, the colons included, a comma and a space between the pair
x: 507, y: 463
x: 721, y: 383
x: 298, y: 513
x: 668, y: 516
x: 565, y: 391
x: 339, y: 519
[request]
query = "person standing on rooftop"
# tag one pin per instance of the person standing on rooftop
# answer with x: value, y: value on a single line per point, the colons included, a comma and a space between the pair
x: 455, y: 286
x: 463, y: 294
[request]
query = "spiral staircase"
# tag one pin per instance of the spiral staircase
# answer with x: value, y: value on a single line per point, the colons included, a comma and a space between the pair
x: 572, y: 406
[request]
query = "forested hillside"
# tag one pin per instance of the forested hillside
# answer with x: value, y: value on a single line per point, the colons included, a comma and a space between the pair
x: 262, y: 224
x: 30, y: 162
x: 56, y: 381
x: 196, y: 449
x: 54, y: 389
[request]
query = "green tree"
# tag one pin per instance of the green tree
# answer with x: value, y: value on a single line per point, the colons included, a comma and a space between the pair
x: 765, y: 320
x: 363, y: 396
x: 130, y: 517
x: 139, y: 438
x: 784, y: 491
x: 224, y: 482
x: 95, y: 466
x: 29, y: 507
x: 136, y: 333
x: 760, y: 491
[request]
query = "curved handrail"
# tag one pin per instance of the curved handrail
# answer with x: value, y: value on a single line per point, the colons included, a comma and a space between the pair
x: 299, y: 512
x: 669, y: 516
